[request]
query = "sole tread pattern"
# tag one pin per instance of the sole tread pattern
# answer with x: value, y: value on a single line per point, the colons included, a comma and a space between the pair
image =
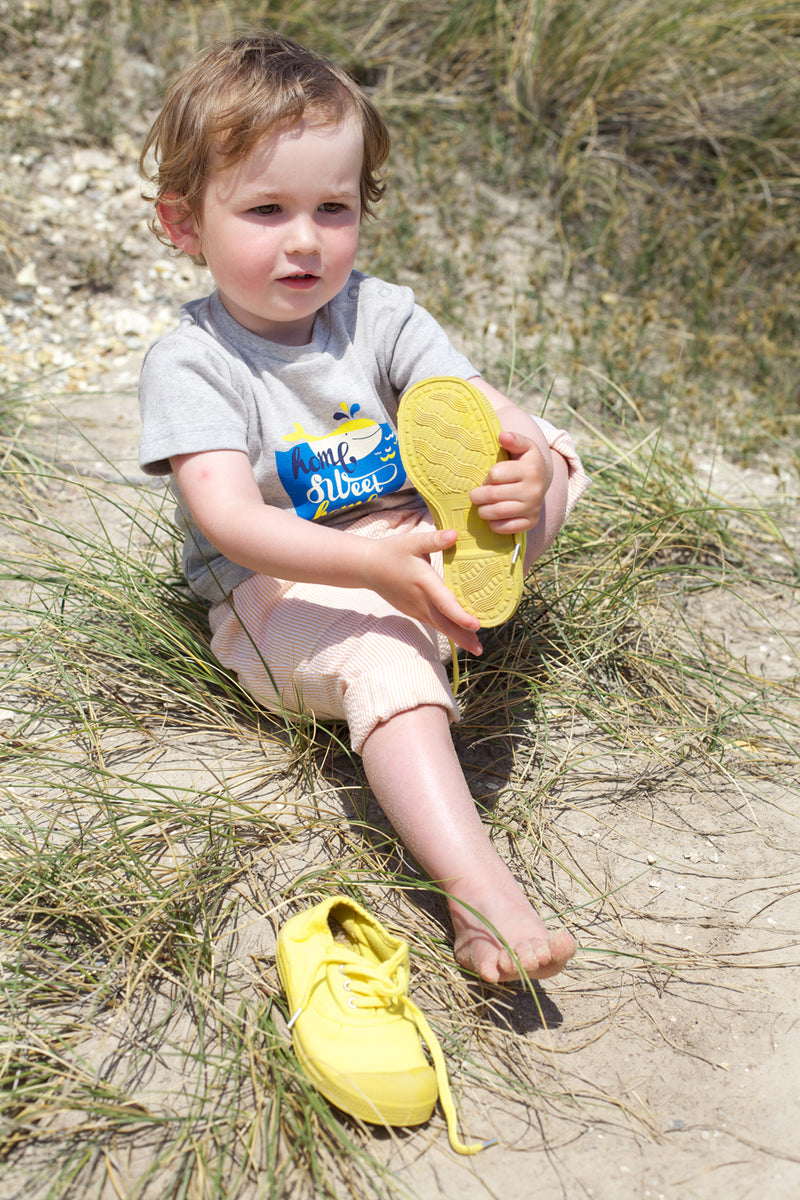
x: 448, y: 433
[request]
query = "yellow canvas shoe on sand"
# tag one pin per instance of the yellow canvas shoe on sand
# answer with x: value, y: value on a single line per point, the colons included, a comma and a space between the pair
x: 355, y: 1030
x: 448, y: 436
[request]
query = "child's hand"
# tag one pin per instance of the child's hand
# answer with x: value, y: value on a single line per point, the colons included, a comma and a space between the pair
x: 399, y: 569
x: 511, y: 496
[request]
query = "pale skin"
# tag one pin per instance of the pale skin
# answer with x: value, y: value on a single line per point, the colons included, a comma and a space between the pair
x: 279, y: 231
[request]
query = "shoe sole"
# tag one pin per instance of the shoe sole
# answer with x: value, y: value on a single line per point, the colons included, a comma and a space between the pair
x: 448, y: 437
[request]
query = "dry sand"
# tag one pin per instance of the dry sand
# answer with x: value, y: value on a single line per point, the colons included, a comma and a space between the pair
x: 668, y: 1055
x: 668, y: 1070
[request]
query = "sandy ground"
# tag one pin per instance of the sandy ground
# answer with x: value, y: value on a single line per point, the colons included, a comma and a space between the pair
x: 668, y: 1056
x: 669, y: 1053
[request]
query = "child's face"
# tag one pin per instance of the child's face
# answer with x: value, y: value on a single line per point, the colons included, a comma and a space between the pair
x: 279, y: 229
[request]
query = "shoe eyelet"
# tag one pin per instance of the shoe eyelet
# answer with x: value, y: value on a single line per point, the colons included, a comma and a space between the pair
x: 351, y: 1003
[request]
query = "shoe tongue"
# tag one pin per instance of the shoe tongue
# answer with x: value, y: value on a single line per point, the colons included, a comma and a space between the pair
x: 397, y: 961
x: 369, y: 940
x: 385, y: 981
x: 362, y: 955
x: 372, y: 952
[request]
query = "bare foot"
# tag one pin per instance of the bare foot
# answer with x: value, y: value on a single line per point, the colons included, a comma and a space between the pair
x: 540, y: 953
x: 425, y: 796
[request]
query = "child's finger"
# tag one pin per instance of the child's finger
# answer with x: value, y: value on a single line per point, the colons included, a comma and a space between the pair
x: 447, y: 615
x: 431, y: 540
x: 455, y: 632
x: 515, y: 443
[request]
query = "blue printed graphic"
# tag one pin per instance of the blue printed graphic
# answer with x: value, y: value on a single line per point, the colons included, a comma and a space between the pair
x: 357, y: 462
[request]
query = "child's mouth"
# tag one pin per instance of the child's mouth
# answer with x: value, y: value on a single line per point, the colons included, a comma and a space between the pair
x: 299, y: 281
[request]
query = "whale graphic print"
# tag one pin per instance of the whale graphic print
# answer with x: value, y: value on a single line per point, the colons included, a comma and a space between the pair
x: 356, y: 462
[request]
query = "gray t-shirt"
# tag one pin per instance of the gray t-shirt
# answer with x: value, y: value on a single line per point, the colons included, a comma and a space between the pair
x: 317, y: 422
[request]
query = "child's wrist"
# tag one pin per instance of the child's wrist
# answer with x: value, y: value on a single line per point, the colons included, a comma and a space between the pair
x: 366, y: 553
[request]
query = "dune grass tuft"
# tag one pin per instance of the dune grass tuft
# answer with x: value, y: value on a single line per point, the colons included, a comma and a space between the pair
x: 156, y: 827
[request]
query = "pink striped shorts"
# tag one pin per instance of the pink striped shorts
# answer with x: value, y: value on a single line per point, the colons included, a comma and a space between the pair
x: 339, y: 653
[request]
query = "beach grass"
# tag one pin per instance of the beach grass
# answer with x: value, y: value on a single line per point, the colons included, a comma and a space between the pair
x: 156, y: 827
x: 665, y: 140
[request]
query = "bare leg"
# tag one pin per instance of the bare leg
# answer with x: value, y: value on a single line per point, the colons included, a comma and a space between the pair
x: 417, y: 779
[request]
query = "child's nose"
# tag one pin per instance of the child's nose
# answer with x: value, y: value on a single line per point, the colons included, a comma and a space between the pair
x: 302, y: 237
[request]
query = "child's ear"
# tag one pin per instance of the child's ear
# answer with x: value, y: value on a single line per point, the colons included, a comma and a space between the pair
x: 180, y: 226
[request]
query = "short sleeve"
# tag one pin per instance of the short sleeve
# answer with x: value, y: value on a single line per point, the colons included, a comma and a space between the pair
x: 423, y: 349
x: 188, y: 402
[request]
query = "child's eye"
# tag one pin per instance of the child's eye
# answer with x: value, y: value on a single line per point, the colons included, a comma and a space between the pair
x: 333, y: 206
x: 265, y: 210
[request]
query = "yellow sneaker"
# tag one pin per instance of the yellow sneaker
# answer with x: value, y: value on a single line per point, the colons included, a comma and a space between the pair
x: 354, y: 1028
x: 448, y: 436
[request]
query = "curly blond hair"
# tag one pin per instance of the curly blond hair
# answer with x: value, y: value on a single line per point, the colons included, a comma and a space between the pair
x: 233, y: 94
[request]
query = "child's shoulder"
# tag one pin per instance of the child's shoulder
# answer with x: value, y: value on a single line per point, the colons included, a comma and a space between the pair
x: 372, y: 307
x: 193, y: 322
x: 369, y: 290
x: 192, y: 341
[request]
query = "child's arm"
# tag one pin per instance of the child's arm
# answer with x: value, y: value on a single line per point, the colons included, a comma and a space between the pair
x: 222, y: 494
x: 527, y: 493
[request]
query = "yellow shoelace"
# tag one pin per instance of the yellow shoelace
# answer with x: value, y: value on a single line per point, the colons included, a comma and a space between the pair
x: 456, y: 672
x: 376, y: 987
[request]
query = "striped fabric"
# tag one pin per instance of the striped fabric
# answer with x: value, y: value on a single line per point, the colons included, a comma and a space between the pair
x: 339, y: 653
